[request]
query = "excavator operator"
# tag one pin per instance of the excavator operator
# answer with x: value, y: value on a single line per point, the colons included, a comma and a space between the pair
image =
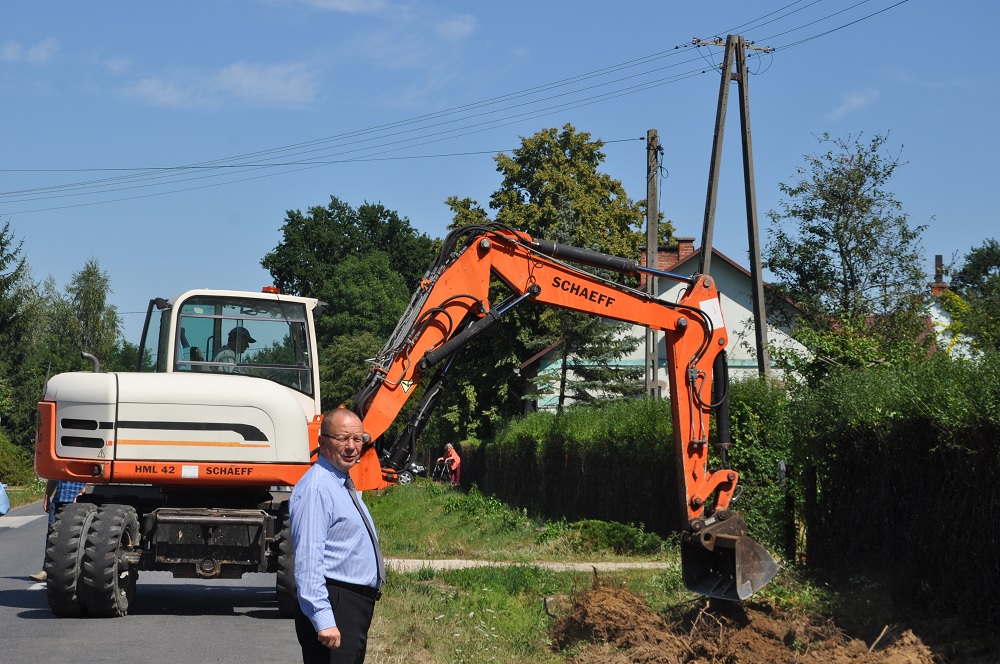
x: 239, y: 341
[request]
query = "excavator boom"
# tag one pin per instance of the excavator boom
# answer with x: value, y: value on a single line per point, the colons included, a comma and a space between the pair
x: 452, y: 306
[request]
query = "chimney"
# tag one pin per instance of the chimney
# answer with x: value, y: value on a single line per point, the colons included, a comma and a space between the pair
x: 939, y: 286
x: 668, y: 257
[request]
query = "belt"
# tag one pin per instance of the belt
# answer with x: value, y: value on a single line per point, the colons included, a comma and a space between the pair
x: 364, y: 591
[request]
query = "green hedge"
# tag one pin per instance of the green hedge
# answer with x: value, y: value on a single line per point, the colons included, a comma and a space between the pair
x: 16, y: 466
x: 907, y: 463
x: 616, y: 463
x: 892, y: 470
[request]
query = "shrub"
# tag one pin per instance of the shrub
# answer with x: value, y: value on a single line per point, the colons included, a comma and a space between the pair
x: 16, y: 467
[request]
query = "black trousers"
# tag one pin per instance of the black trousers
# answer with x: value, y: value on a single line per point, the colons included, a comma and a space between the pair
x: 354, y: 616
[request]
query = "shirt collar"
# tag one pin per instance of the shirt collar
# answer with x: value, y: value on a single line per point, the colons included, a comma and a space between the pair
x: 326, y: 465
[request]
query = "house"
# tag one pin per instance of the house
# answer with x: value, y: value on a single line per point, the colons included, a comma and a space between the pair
x: 735, y: 286
x: 957, y: 345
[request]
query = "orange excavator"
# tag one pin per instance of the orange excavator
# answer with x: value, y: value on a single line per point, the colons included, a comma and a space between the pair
x: 191, y: 457
x: 452, y: 307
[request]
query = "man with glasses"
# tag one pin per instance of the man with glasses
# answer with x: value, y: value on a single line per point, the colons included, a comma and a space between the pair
x: 338, y: 563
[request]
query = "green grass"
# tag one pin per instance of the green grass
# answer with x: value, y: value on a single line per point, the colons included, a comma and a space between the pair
x: 498, y: 613
x: 433, y: 520
x: 26, y: 493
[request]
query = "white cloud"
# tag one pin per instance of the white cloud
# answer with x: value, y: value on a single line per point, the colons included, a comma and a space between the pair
x: 854, y: 101
x: 117, y: 66
x: 271, y: 85
x: 283, y: 86
x: 457, y: 28
x: 38, y: 54
x: 158, y: 92
x: 346, y: 6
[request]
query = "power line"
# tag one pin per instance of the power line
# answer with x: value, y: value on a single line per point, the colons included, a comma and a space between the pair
x: 596, y: 86
x: 841, y: 27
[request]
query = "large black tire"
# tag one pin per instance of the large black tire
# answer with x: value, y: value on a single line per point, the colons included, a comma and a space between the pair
x: 63, y: 557
x: 284, y: 585
x: 405, y: 477
x: 108, y: 581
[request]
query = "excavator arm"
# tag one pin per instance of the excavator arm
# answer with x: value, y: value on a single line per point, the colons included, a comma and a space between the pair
x: 452, y: 306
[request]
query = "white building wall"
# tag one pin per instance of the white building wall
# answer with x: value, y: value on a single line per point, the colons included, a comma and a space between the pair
x: 737, y: 309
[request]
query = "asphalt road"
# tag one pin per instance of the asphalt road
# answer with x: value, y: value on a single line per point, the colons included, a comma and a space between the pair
x: 178, y: 621
x: 171, y: 620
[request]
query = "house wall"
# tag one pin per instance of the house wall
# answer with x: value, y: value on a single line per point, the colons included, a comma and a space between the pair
x: 737, y: 308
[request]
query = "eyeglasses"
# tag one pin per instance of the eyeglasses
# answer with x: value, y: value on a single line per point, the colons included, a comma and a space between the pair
x: 343, y: 438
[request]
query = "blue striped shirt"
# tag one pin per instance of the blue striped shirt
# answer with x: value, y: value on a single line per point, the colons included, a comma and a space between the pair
x: 330, y: 540
x: 66, y: 492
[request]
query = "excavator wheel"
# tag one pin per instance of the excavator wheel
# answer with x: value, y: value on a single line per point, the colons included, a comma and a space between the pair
x: 63, y: 558
x: 284, y: 584
x: 109, y: 581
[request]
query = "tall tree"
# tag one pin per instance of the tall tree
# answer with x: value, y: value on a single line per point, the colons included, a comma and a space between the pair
x: 314, y: 244
x: 16, y: 291
x: 96, y: 324
x: 844, y: 252
x: 364, y: 263
x: 551, y: 187
x: 976, y: 314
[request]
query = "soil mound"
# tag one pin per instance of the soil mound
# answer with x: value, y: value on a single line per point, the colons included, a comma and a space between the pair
x: 607, y: 624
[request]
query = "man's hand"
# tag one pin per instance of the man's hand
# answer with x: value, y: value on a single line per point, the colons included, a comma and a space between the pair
x: 45, y: 503
x: 329, y: 637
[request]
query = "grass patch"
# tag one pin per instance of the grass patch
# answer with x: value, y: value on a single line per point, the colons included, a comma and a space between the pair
x: 483, y: 614
x: 434, y: 520
x: 503, y: 613
x: 26, y: 493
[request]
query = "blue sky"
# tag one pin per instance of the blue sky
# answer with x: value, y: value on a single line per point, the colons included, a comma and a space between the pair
x: 167, y: 140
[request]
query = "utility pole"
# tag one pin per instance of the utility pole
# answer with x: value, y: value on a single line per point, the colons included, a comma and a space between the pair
x: 653, y: 151
x: 736, y: 48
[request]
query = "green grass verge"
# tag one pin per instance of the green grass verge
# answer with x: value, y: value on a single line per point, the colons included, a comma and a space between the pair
x: 503, y: 613
x: 26, y: 493
x: 433, y: 520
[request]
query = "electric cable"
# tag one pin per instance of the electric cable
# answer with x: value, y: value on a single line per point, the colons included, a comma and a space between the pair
x: 363, y: 145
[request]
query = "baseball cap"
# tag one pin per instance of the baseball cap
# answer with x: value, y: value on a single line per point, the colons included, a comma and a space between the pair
x: 241, y: 332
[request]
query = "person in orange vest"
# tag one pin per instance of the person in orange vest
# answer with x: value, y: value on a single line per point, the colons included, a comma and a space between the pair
x: 453, y: 461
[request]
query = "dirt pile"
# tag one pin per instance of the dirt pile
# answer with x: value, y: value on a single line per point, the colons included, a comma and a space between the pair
x: 611, y: 625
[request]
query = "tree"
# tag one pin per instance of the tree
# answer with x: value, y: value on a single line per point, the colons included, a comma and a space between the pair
x: 56, y: 326
x: 594, y: 379
x: 314, y: 244
x: 550, y: 188
x: 366, y: 295
x: 976, y: 314
x: 16, y: 291
x: 18, y: 328
x: 844, y: 252
x: 365, y: 264
x: 342, y: 366
x: 96, y: 324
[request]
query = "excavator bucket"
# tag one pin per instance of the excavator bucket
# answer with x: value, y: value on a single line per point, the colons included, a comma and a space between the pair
x: 719, y: 559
